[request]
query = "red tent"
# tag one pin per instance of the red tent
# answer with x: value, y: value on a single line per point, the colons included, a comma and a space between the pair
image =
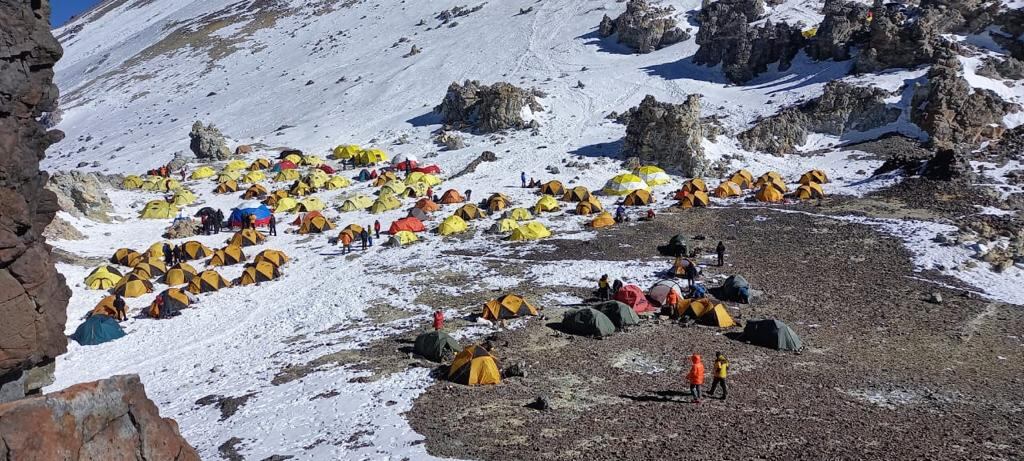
x: 681, y: 194
x: 305, y: 217
x: 429, y: 169
x: 373, y: 174
x: 401, y: 166
x: 285, y: 165
x: 635, y: 298
x: 410, y: 224
x: 326, y: 168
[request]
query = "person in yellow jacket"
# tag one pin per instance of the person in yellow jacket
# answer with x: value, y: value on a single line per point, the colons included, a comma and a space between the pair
x: 721, y: 371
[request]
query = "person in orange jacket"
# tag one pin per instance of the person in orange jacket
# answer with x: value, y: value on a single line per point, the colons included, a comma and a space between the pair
x: 695, y: 377
x: 346, y: 243
x: 672, y: 299
x: 438, y: 320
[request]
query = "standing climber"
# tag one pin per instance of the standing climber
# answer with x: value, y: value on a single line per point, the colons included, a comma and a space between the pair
x: 721, y: 371
x: 218, y: 219
x: 120, y: 308
x: 620, y: 214
x: 522, y: 177
x: 695, y: 377
x: 168, y: 254
x: 438, y: 320
x: 346, y: 243
x: 603, y: 287
x: 691, y: 273
x: 720, y: 249
x: 469, y: 196
x: 206, y: 224
x: 363, y: 235
x: 272, y: 225
x: 376, y: 228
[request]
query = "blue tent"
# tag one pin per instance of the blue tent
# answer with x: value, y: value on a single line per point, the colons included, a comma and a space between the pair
x: 261, y: 212
x: 97, y: 329
x: 364, y: 175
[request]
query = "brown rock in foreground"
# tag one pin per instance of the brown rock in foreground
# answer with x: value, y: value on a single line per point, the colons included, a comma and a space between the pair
x: 104, y: 420
x: 33, y: 296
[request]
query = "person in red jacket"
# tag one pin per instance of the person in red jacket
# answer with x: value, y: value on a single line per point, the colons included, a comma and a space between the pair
x: 376, y: 228
x: 695, y: 377
x: 438, y: 320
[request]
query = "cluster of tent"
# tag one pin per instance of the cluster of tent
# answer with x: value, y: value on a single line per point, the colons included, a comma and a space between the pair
x: 771, y: 187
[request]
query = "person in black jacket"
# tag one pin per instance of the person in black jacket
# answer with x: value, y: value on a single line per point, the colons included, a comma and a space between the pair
x: 363, y: 235
x: 121, y: 308
x: 218, y: 220
x: 720, y: 249
x: 272, y: 226
x: 168, y: 254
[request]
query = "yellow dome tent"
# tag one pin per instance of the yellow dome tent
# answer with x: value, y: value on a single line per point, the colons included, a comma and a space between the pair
x: 229, y: 176
x: 346, y: 151
x: 589, y: 206
x: 356, y: 203
x: 728, y: 189
x: 653, y: 175
x: 546, y: 203
x: 353, y: 231
x: 814, y: 176
x: 371, y: 156
x: 385, y: 203
x: 696, y: 199
x: 246, y: 238
x: 694, y: 185
x: 603, y: 220
x: 226, y: 187
x: 693, y: 308
x: 254, y: 177
x: 337, y: 182
x: 519, y: 214
x: 507, y: 307
x: 257, y: 273
x: 103, y: 278
x: 743, y: 178
x: 770, y: 176
x: 179, y: 274
x: 809, y: 191
x: 312, y: 160
x: 155, y: 251
x: 470, y: 212
x: 316, y: 225
x: 553, y: 187
x: 183, y: 197
x: 639, y: 197
x: 624, y: 183
x: 532, y: 230
x: 402, y: 238
x: 310, y: 204
x: 275, y: 257
x: 505, y: 225
x: 718, y: 316
x: 474, y: 366
x: 203, y: 172
x: 207, y: 281
x: 236, y: 165
x: 193, y: 249
x: 300, y: 189
x: 287, y: 175
x: 254, y: 191
x: 452, y: 225
x: 132, y: 286
x: 393, y: 188
x: 420, y: 177
x: 285, y: 205
x: 416, y: 189
x: 227, y: 256
x: 126, y: 257
x: 768, y: 193
x: 497, y: 202
x: 159, y: 209
x: 576, y: 194
x: 149, y: 269
x: 295, y: 158
x: 384, y: 178
x: 260, y: 164
x: 317, y: 178
x: 132, y: 182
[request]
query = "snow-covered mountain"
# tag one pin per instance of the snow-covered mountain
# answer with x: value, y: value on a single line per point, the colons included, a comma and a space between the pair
x: 136, y: 75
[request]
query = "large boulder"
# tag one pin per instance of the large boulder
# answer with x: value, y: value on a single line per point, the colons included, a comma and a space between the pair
x: 33, y: 296
x: 952, y: 112
x: 667, y: 134
x: 845, y: 24
x: 488, y: 108
x: 81, y: 194
x: 841, y: 108
x: 643, y: 27
x: 103, y: 420
x: 207, y: 143
x: 902, y: 37
x: 726, y: 37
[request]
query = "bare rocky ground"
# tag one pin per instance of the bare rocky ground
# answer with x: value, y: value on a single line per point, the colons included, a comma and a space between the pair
x: 885, y: 373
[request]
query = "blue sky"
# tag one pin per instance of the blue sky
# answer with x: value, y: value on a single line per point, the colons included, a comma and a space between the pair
x: 62, y: 10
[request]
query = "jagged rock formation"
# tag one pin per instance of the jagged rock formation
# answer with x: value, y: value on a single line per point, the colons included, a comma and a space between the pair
x: 897, y: 40
x: 643, y: 28
x: 59, y: 229
x: 81, y: 194
x: 951, y: 113
x: 207, y: 143
x: 841, y: 108
x: 726, y: 37
x: 104, y: 420
x: 1009, y: 68
x: 33, y: 296
x: 1011, y: 23
x: 667, y: 134
x: 845, y: 23
x: 964, y: 16
x: 488, y: 108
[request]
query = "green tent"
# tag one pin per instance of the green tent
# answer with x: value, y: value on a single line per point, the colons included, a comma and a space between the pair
x: 436, y: 346
x: 676, y: 246
x: 587, y: 322
x: 735, y: 288
x: 772, y: 333
x: 620, y: 314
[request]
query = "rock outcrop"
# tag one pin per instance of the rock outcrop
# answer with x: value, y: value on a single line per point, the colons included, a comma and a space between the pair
x: 744, y: 51
x: 952, y: 112
x: 667, y: 134
x: 207, y: 143
x: 899, y: 37
x: 1011, y: 34
x: 33, y: 296
x: 488, y: 108
x: 81, y: 194
x: 840, y: 109
x: 1009, y: 68
x: 643, y: 28
x: 845, y: 24
x: 103, y: 420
